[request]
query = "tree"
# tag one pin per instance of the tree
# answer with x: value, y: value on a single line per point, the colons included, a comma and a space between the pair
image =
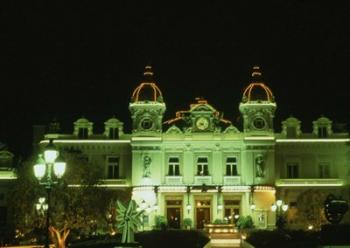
x: 310, y: 207
x: 76, y: 203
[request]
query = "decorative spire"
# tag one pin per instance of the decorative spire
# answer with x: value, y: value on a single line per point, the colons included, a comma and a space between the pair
x: 256, y: 74
x: 148, y: 73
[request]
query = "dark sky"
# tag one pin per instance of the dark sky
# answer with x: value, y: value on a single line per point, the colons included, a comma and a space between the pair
x: 85, y: 58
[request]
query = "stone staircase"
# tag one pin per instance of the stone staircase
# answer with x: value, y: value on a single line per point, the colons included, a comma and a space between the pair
x: 223, y: 236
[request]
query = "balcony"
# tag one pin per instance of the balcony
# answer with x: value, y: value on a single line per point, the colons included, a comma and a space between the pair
x: 113, y: 183
x: 232, y: 180
x: 173, y: 180
x: 310, y: 182
x: 199, y: 180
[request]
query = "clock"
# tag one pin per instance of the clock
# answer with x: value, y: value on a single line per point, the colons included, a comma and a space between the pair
x: 259, y: 123
x: 146, y: 123
x: 202, y: 123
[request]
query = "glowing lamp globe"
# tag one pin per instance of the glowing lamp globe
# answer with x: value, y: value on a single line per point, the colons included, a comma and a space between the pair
x: 59, y: 168
x: 279, y: 203
x: 50, y: 153
x: 40, y: 168
x: 285, y: 207
x: 273, y: 207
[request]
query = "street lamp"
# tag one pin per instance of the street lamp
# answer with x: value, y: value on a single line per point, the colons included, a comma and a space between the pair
x: 48, y: 169
x: 280, y: 208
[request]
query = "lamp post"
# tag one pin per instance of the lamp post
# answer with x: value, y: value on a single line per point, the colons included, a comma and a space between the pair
x: 48, y: 169
x: 280, y: 208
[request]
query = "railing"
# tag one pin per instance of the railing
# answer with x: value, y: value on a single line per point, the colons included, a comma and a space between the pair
x: 232, y: 180
x: 295, y: 182
x: 173, y: 180
x: 202, y: 180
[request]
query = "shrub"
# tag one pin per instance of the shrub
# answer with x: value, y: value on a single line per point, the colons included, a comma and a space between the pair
x: 245, y: 222
x: 219, y: 221
x: 161, y: 222
x: 187, y: 222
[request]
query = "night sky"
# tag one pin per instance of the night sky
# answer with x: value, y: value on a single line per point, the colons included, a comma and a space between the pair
x: 81, y: 58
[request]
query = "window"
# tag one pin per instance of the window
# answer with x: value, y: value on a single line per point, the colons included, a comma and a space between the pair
x: 324, y: 170
x: 83, y: 133
x: 202, y: 166
x: 113, y: 168
x: 322, y: 132
x: 292, y: 170
x: 113, y: 133
x: 291, y: 132
x: 174, y: 166
x: 231, y: 166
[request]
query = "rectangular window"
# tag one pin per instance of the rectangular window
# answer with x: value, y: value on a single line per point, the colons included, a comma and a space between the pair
x: 113, y: 167
x: 292, y: 170
x: 83, y: 133
x: 291, y: 132
x: 324, y: 170
x: 113, y: 133
x: 174, y: 166
x: 322, y: 132
x: 231, y: 166
x: 202, y: 166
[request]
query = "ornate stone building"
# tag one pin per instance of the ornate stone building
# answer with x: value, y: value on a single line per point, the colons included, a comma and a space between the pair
x: 198, y: 165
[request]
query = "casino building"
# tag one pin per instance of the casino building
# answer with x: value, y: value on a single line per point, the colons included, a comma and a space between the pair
x: 198, y: 165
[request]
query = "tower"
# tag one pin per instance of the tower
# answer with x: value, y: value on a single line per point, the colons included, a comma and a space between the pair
x: 147, y: 107
x: 257, y: 106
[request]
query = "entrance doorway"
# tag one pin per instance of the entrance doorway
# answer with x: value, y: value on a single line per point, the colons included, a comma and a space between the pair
x: 231, y: 213
x: 202, y: 213
x: 174, y: 213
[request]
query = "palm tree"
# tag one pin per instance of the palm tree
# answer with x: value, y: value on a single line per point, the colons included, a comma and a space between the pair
x: 128, y: 220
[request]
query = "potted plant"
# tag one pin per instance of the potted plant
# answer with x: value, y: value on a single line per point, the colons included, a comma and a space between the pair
x: 187, y: 223
x: 161, y: 222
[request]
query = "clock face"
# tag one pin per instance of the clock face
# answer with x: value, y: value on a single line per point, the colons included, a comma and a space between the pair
x: 259, y: 123
x: 202, y: 123
x: 146, y: 123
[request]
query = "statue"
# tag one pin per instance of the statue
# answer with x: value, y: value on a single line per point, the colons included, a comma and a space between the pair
x: 147, y: 166
x: 259, y: 166
x: 128, y: 220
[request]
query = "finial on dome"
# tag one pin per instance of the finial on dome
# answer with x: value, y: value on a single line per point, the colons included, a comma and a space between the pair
x: 148, y: 73
x: 256, y: 73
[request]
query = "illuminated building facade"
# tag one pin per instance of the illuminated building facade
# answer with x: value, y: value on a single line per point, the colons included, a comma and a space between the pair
x: 198, y: 165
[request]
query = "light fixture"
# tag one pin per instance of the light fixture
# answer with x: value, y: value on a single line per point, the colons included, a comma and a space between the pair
x: 252, y: 207
x: 274, y: 207
x: 46, y: 168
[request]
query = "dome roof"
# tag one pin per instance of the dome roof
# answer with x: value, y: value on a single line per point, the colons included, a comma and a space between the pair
x: 257, y: 90
x: 147, y: 91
